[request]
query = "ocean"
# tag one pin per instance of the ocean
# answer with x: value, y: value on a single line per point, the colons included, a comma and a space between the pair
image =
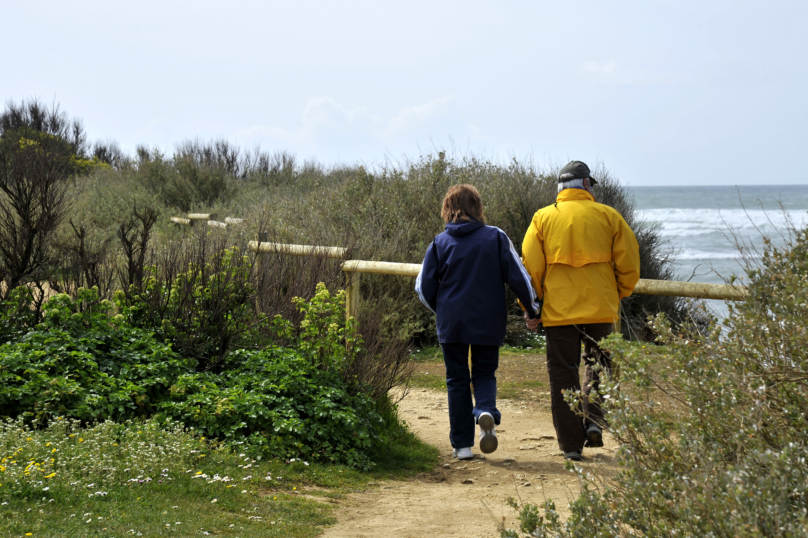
x: 698, y: 223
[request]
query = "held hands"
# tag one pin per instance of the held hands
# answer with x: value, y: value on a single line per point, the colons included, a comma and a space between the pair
x: 532, y: 324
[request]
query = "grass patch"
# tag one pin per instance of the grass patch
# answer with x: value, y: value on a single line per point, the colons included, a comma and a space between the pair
x: 522, y: 373
x: 141, y: 479
x: 521, y: 389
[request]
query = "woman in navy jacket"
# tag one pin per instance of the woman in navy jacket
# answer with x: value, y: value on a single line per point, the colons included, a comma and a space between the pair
x: 462, y: 280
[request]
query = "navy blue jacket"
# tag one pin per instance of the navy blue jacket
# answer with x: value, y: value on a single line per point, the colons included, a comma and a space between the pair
x: 462, y: 281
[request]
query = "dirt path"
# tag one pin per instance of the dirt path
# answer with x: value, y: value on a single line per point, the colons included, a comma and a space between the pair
x: 452, y: 499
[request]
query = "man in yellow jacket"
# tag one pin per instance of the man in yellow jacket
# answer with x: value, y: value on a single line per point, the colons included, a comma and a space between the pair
x: 582, y: 259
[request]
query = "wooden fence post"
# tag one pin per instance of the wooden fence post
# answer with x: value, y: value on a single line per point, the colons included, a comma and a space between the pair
x: 259, y: 268
x: 352, y: 295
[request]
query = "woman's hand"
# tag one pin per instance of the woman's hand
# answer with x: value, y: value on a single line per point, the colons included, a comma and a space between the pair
x: 532, y: 324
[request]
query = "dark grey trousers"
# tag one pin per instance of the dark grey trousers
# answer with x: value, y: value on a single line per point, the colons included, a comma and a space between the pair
x: 563, y: 363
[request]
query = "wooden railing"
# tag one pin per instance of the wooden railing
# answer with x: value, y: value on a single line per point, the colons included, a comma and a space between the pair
x: 354, y: 268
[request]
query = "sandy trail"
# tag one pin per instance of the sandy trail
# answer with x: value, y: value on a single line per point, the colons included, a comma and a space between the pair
x: 443, y: 502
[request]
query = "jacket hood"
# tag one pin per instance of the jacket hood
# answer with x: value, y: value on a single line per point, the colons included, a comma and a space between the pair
x: 459, y: 229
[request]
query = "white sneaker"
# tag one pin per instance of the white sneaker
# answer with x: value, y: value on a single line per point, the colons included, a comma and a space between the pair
x: 463, y: 453
x: 488, y: 433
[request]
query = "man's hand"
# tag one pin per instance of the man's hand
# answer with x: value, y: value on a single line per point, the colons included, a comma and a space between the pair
x: 532, y: 324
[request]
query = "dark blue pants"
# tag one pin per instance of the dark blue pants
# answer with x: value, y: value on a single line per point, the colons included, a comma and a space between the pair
x: 463, y: 414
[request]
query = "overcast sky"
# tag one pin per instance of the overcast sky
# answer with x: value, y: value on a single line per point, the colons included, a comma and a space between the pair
x: 676, y: 93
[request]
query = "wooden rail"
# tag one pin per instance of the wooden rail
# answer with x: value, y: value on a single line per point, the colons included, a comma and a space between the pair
x: 296, y: 250
x: 645, y: 286
x: 208, y: 218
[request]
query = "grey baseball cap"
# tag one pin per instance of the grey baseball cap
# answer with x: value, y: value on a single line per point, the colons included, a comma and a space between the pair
x: 575, y: 170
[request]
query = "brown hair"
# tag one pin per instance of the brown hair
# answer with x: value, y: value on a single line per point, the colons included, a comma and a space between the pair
x: 462, y: 202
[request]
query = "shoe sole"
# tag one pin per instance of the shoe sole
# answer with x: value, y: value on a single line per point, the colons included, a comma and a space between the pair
x: 594, y: 439
x: 574, y: 458
x: 488, y: 442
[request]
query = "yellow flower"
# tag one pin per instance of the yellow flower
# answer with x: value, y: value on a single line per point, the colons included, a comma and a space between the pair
x: 81, y: 440
x: 29, y: 534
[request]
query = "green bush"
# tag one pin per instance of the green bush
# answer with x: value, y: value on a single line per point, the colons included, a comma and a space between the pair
x: 81, y: 362
x: 78, y: 363
x: 199, y: 302
x: 281, y: 405
x: 712, y: 427
x: 288, y: 401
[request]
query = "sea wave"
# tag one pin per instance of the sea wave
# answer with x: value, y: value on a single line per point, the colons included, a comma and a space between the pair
x: 704, y: 255
x: 693, y: 222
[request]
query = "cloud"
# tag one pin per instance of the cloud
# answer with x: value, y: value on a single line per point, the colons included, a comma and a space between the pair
x: 324, y: 111
x: 415, y: 115
x: 606, y: 68
x: 322, y: 115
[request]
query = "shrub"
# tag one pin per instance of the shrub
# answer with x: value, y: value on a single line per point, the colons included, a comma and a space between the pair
x: 16, y: 315
x: 297, y: 400
x: 79, y: 363
x: 199, y: 301
x: 33, y: 116
x: 34, y: 168
x: 712, y: 427
x: 281, y: 405
x: 292, y: 401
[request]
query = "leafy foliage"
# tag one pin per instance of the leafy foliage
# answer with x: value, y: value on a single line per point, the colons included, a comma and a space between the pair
x: 82, y: 362
x: 281, y: 405
x: 79, y: 363
x: 203, y: 311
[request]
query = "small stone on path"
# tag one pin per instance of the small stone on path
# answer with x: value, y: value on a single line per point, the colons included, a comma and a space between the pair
x: 468, y: 481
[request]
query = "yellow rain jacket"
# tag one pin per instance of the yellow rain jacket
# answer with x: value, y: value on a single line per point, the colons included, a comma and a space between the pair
x: 582, y: 259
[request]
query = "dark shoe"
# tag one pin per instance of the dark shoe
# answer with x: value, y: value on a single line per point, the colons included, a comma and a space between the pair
x: 594, y: 436
x: 488, y: 433
x: 575, y: 455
